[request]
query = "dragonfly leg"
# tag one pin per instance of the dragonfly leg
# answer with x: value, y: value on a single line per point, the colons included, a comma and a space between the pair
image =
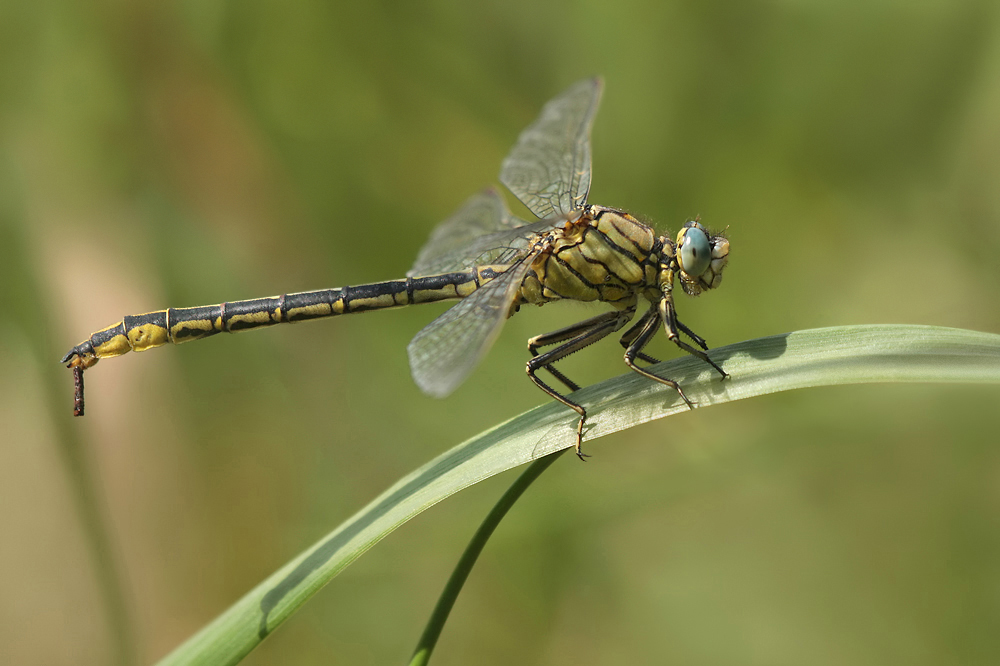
x: 669, y: 317
x: 78, y: 403
x: 574, y: 338
x: 563, y: 334
x: 643, y: 334
x: 633, y: 332
x: 698, y: 340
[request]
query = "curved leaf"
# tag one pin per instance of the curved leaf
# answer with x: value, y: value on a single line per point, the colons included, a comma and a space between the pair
x: 819, y: 357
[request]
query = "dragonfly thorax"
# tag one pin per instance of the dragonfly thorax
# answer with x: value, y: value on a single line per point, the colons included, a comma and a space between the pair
x: 602, y: 255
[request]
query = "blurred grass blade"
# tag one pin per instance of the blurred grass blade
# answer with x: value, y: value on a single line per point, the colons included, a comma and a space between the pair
x: 425, y: 646
x: 820, y: 357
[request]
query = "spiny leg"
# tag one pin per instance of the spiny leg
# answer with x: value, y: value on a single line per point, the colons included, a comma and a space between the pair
x: 698, y: 340
x: 668, y: 315
x: 596, y: 328
x: 546, y: 339
x: 640, y: 339
x: 631, y: 334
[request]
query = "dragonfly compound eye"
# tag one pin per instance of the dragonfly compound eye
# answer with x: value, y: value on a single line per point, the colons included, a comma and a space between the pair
x: 695, y: 253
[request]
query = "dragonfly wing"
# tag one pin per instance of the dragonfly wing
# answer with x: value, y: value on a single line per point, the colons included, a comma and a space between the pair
x: 443, y: 254
x: 449, y: 246
x: 444, y: 353
x: 548, y: 168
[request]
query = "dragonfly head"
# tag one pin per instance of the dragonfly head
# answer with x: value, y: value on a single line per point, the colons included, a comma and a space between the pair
x: 701, y: 256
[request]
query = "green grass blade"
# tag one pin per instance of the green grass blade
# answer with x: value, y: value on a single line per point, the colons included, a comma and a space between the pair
x: 425, y: 646
x: 820, y: 357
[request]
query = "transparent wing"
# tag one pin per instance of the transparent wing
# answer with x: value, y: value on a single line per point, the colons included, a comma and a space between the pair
x: 444, y: 353
x: 549, y: 167
x: 480, y: 233
x: 458, y: 240
x: 482, y: 214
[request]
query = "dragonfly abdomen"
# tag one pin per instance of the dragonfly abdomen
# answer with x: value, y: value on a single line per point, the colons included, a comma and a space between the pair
x: 178, y: 325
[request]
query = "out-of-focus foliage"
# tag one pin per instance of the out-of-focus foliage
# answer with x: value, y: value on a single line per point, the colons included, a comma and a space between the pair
x: 157, y: 154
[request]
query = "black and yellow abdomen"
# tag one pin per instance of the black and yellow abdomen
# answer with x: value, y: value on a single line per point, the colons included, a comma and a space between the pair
x: 178, y: 325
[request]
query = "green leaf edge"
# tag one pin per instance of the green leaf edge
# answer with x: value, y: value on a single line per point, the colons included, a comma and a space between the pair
x: 816, y: 357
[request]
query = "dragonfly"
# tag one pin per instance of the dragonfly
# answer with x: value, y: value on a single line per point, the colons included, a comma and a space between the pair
x: 492, y: 262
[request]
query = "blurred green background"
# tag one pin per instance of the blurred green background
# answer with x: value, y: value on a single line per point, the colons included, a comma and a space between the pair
x: 180, y: 154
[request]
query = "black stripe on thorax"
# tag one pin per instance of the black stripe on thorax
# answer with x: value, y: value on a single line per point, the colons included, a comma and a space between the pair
x: 615, y: 246
x: 629, y: 237
x: 657, y: 248
x: 565, y: 264
x: 598, y: 262
x: 657, y: 245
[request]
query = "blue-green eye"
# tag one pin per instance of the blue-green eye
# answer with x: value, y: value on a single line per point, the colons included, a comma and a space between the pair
x: 696, y: 252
